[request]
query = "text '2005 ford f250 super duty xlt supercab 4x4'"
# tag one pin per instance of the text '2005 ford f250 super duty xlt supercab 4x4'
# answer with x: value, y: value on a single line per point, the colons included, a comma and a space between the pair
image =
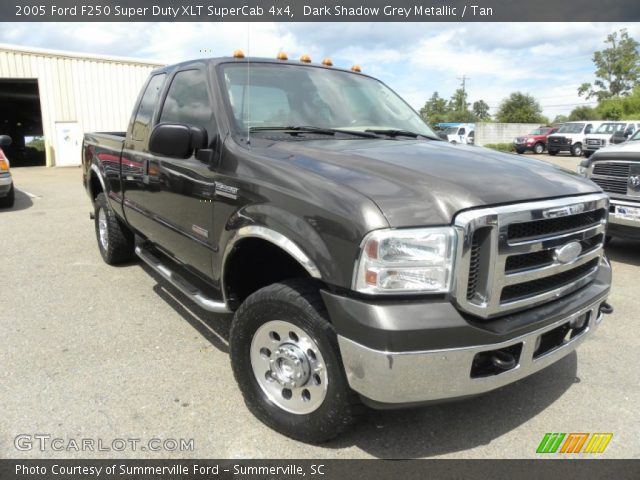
x: 365, y: 260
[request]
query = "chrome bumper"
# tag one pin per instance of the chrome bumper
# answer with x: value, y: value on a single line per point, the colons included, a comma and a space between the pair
x: 423, y: 376
x: 623, y: 221
x: 5, y: 180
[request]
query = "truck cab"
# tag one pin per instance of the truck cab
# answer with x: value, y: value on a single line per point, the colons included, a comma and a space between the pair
x: 365, y: 261
x: 570, y: 137
x: 606, y: 134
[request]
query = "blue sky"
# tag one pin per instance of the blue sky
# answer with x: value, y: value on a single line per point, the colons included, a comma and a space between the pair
x: 547, y: 60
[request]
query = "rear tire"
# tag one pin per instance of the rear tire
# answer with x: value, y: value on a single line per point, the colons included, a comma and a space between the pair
x: 286, y: 325
x: 115, y: 240
x: 8, y: 200
x: 538, y: 148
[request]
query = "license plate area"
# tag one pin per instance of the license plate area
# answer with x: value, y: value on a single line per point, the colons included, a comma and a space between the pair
x: 627, y: 213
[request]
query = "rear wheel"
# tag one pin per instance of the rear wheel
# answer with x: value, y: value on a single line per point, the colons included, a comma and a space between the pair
x: 286, y: 361
x: 576, y: 150
x: 115, y: 240
x: 8, y: 200
x: 538, y: 148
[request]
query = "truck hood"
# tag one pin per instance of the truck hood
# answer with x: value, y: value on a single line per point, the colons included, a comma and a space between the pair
x: 632, y: 147
x: 428, y: 182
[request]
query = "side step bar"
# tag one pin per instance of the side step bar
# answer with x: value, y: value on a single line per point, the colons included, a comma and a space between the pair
x: 181, y: 284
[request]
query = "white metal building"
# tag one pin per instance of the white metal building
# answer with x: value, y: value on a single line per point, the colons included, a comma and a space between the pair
x: 61, y: 95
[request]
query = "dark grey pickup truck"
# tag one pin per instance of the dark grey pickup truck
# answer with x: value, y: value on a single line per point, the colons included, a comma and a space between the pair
x: 365, y: 261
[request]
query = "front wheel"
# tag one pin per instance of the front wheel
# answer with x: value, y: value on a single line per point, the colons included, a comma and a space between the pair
x: 576, y: 150
x: 538, y: 148
x: 286, y: 361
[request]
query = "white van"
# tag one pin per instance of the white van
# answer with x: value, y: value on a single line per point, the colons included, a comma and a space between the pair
x: 463, y: 133
x: 570, y: 137
x: 603, y: 135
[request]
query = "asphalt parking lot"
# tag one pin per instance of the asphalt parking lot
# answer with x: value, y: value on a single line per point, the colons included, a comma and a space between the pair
x: 92, y: 351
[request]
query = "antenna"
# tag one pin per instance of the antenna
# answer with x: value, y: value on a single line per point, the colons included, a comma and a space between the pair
x: 248, y: 83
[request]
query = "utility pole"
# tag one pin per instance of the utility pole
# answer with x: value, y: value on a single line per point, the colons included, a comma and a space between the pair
x: 463, y: 79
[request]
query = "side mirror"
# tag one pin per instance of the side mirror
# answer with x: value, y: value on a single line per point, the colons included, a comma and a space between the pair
x: 177, y: 140
x: 5, y: 140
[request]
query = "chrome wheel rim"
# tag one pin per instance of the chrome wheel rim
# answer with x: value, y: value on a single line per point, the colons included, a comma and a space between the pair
x: 102, y: 229
x: 289, y: 367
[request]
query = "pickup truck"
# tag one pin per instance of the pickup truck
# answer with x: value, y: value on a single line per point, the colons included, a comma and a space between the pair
x: 366, y: 262
x: 616, y: 169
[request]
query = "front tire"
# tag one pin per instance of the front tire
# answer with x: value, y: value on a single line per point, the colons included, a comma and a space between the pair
x: 576, y: 150
x: 538, y: 148
x: 286, y: 361
x: 115, y: 240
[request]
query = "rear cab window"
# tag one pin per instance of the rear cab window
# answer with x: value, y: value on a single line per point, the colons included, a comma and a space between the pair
x: 146, y: 107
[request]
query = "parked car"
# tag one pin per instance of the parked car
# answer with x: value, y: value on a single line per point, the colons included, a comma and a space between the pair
x: 365, y: 261
x: 605, y: 133
x: 462, y: 133
x: 570, y: 137
x: 7, y: 192
x: 616, y: 169
x: 536, y: 141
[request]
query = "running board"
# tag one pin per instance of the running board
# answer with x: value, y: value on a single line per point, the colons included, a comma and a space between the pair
x: 181, y: 284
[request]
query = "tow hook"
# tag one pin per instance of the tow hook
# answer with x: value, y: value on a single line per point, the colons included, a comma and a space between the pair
x: 605, y: 308
x: 503, y: 360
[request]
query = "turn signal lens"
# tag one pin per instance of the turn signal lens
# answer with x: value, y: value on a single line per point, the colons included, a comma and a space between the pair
x: 4, y: 165
x: 238, y: 54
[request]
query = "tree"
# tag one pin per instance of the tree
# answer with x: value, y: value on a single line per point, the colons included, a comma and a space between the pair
x: 520, y: 108
x: 583, y: 113
x: 435, y: 110
x: 560, y: 119
x: 617, y: 68
x: 481, y: 110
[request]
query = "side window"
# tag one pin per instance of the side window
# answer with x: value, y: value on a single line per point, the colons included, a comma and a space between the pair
x: 188, y: 101
x: 146, y: 107
x: 588, y: 128
x: 461, y: 132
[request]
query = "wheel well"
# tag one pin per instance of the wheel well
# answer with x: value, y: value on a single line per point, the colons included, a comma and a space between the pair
x: 254, y: 264
x: 95, y: 186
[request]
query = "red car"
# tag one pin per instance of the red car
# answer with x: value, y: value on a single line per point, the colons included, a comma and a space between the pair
x: 536, y: 141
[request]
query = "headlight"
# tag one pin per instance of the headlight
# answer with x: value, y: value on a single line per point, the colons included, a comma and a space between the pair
x: 417, y: 260
x: 582, y: 168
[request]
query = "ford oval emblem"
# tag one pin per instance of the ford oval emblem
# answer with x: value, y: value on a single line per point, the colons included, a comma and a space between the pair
x: 567, y: 253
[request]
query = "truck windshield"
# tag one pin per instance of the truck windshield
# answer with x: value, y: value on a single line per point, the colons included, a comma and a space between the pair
x: 610, y: 127
x: 279, y: 96
x: 539, y: 131
x: 571, y: 128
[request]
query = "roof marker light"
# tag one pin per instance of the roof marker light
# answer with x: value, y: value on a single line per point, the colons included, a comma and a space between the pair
x: 305, y: 58
x: 327, y: 61
x: 356, y: 68
x: 238, y: 54
x: 282, y: 56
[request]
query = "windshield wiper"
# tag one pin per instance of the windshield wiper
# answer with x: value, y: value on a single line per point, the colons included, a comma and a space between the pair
x: 311, y: 129
x: 393, y: 132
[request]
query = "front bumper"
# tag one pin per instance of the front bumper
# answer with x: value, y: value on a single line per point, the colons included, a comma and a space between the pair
x: 387, y: 375
x: 622, y: 227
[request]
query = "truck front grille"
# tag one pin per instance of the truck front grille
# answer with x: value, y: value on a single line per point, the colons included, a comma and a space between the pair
x: 507, y: 256
x: 612, y: 177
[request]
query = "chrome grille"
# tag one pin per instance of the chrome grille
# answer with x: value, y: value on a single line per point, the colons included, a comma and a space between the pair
x: 506, y: 255
x: 612, y: 177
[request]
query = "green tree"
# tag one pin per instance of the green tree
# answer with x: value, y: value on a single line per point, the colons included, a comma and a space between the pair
x: 583, y: 113
x: 481, y: 110
x: 435, y: 109
x: 560, y: 119
x: 520, y: 108
x: 617, y: 68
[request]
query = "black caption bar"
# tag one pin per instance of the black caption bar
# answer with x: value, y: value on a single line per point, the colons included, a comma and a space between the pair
x: 319, y: 11
x: 317, y: 469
